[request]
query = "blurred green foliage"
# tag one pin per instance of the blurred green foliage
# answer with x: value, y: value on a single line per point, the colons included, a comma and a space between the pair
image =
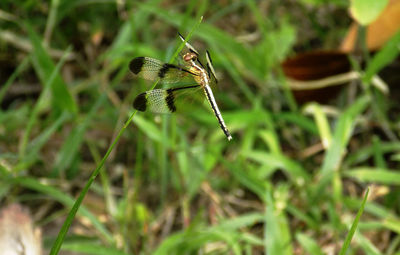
x: 290, y: 182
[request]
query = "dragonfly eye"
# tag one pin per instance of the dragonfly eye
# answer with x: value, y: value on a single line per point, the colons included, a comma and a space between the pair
x: 190, y: 57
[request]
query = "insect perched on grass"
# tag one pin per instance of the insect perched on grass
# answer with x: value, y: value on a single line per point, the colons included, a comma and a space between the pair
x: 165, y: 100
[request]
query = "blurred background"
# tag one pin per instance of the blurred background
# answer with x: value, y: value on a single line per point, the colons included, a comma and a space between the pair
x: 307, y: 88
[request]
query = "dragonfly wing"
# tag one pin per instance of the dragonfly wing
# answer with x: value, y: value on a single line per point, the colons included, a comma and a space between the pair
x: 188, y: 45
x: 210, y: 68
x: 153, y: 69
x: 163, y: 100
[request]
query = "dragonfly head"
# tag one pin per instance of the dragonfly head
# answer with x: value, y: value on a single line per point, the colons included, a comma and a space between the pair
x: 190, y: 56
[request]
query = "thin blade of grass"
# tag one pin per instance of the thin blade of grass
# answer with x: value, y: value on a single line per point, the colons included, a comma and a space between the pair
x: 364, y: 153
x: 291, y: 167
x: 191, y: 242
x: 353, y: 228
x: 375, y: 175
x: 83, y: 247
x: 384, y: 57
x: 276, y: 229
x: 48, y: 84
x: 21, y: 67
x: 34, y: 147
x: 336, y: 151
x: 300, y: 215
x: 309, y: 244
x: 379, y: 159
x: 197, y: 237
x: 366, y: 244
x: 246, y: 220
x: 322, y: 123
x: 302, y: 121
x: 44, y: 67
x: 392, y: 224
x: 73, y: 142
x: 248, y: 179
x: 51, y: 20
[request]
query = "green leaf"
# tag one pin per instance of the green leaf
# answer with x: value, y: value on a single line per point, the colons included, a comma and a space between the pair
x: 366, y: 11
x: 86, y: 247
x: 271, y: 139
x: 21, y: 67
x: 392, y: 224
x: 353, y: 228
x: 248, y: 178
x: 335, y: 152
x: 301, y: 121
x: 44, y: 67
x: 73, y: 142
x: 366, y: 244
x: 191, y: 242
x: 276, y: 229
x: 309, y: 244
x: 299, y: 214
x: 149, y: 128
x: 36, y: 144
x: 245, y: 220
x: 291, y: 167
x: 384, y: 57
x: 196, y: 237
x: 33, y: 117
x: 322, y: 123
x: 376, y: 175
x: 364, y: 153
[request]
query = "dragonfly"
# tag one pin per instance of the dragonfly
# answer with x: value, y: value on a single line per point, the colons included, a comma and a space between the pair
x: 166, y: 100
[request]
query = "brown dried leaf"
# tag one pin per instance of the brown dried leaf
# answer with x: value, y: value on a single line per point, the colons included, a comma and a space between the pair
x: 314, y: 66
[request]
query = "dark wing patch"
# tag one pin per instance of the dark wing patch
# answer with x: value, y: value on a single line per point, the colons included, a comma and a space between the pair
x: 140, y: 102
x: 136, y: 65
x: 164, y: 70
x: 153, y: 69
x: 170, y: 100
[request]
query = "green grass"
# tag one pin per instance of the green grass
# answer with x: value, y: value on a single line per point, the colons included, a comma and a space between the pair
x: 174, y: 184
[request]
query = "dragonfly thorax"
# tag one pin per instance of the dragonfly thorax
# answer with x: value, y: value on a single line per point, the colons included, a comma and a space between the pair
x: 201, y: 75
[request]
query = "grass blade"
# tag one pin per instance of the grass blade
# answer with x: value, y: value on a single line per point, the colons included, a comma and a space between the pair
x: 36, y: 109
x: 44, y: 67
x: 384, y: 57
x: 354, y: 226
x: 21, y: 67
x: 83, y: 247
x: 375, y: 175
x: 73, y: 142
x: 342, y: 134
x: 276, y: 230
x: 309, y: 244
